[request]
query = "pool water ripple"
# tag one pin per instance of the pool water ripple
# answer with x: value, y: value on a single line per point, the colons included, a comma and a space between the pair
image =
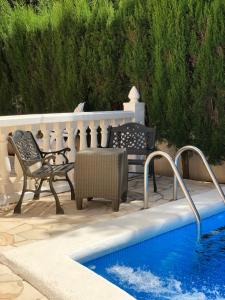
x: 171, y: 266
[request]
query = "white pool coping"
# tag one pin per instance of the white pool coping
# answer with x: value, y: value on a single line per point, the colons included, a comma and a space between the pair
x: 49, y: 267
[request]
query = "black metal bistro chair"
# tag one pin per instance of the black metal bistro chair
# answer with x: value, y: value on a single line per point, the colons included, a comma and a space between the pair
x: 30, y: 155
x: 138, y: 140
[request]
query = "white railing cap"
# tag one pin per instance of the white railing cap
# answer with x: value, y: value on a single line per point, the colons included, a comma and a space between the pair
x: 32, y: 119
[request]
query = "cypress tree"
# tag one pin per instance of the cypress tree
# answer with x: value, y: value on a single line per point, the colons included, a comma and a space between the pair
x: 208, y: 90
x: 5, y: 74
x: 136, y: 55
x: 99, y: 63
x: 58, y: 53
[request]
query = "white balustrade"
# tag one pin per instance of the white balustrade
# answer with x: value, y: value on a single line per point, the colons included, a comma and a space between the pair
x: 54, y: 127
x: 59, y: 130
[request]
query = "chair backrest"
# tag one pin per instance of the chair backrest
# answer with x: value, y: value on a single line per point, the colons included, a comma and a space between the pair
x: 134, y: 137
x: 25, y: 147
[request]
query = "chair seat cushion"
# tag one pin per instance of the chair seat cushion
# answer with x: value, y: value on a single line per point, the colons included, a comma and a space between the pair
x: 58, y: 170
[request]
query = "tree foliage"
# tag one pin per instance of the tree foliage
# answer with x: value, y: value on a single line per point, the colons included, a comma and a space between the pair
x: 56, y: 53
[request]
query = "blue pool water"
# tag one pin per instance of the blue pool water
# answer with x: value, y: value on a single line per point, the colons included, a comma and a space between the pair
x: 171, y: 266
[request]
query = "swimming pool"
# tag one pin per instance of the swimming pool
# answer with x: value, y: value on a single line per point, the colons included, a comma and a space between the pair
x: 171, y: 266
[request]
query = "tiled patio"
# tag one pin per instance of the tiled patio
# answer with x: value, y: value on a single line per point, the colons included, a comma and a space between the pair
x: 38, y: 221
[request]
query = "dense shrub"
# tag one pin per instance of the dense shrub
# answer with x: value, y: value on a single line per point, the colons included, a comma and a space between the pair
x: 54, y: 54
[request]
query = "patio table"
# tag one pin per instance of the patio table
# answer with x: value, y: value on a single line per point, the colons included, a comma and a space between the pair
x: 101, y: 173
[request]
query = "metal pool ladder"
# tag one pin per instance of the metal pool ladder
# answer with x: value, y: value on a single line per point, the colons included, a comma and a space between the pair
x: 178, y: 178
x: 200, y: 153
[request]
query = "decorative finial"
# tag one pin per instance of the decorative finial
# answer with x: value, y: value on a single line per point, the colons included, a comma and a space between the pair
x: 134, y: 95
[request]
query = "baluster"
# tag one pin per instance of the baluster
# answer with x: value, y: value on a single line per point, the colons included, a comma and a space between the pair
x: 114, y: 122
x: 46, y: 131
x: 52, y: 140
x: 34, y: 129
x: 65, y: 138
x: 94, y: 140
x: 59, y: 128
x: 5, y: 169
x: 71, y: 141
x: 120, y: 122
x: 17, y: 185
x: 104, y: 132
x: 71, y: 131
x: 124, y: 121
x: 46, y: 137
x: 83, y: 135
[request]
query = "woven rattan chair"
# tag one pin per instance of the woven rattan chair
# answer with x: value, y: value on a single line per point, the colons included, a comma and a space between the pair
x: 138, y: 140
x: 30, y: 156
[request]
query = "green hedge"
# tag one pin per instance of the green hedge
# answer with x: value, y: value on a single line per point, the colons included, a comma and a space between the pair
x: 59, y: 53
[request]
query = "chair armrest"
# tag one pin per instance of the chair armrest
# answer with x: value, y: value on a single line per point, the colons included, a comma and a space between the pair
x: 45, y: 160
x: 64, y: 150
x: 57, y: 152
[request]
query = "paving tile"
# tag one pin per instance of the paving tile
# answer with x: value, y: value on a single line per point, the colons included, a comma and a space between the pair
x: 18, y: 239
x: 30, y: 293
x: 5, y: 226
x: 6, y: 239
x: 4, y: 269
x: 22, y: 243
x: 35, y: 234
x: 161, y: 201
x: 38, y: 221
x: 20, y: 228
x: 169, y: 196
x: 11, y: 286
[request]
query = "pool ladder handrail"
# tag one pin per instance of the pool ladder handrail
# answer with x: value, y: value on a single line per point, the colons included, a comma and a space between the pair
x: 178, y: 177
x: 200, y: 153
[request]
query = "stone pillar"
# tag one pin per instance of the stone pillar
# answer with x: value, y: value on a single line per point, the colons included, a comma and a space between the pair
x: 138, y: 108
x: 5, y: 169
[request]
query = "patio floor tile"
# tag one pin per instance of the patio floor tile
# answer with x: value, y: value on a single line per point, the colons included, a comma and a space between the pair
x: 38, y: 221
x: 11, y: 286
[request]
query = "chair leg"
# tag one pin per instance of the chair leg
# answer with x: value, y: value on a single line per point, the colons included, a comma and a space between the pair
x: 124, y: 197
x: 79, y: 202
x: 115, y: 205
x: 59, y: 209
x: 37, y: 192
x: 17, y: 209
x: 71, y: 187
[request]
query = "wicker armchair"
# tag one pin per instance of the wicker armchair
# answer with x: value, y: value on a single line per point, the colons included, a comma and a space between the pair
x: 138, y: 140
x: 30, y: 156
